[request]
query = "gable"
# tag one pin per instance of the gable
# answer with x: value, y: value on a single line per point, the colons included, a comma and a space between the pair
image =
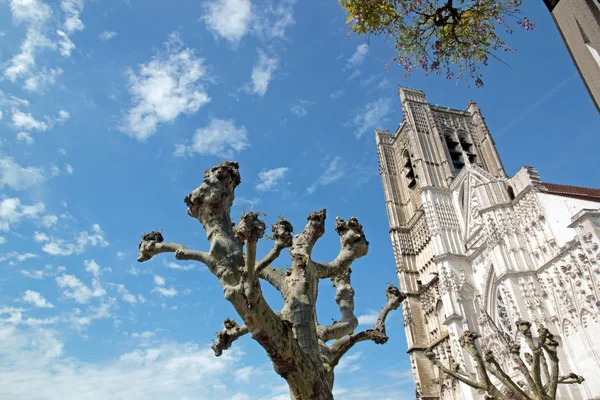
x: 466, y: 198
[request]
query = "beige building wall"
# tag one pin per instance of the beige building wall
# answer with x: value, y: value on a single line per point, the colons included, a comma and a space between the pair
x: 578, y: 22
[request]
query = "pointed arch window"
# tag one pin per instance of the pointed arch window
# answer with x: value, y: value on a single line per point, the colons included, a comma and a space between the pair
x: 503, y: 316
x: 409, y: 172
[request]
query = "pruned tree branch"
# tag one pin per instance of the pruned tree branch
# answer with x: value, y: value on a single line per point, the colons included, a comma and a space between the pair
x: 353, y: 245
x: 282, y: 237
x: 377, y: 334
x: 303, y: 243
x: 535, y: 388
x: 344, y: 297
x: 455, y: 374
x: 227, y: 336
x: 275, y: 278
x: 248, y: 231
x: 152, y: 244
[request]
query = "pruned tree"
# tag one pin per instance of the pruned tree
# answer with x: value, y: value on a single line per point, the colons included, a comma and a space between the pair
x: 298, y: 346
x: 454, y: 37
x: 537, y: 375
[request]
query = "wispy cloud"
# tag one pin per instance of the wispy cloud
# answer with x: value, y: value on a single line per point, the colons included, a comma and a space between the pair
x: 35, y: 298
x: 12, y: 211
x: 220, y: 138
x: 107, y: 35
x: 369, y: 318
x: 372, y: 116
x: 167, y: 86
x: 269, y: 179
x: 60, y: 247
x: 25, y: 137
x: 333, y: 172
x: 300, y: 108
x: 160, y: 287
x: 262, y: 73
x: 359, y: 55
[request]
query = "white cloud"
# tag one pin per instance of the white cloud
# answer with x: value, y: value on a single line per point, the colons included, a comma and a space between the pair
x: 25, y: 137
x: 42, y: 79
x: 173, y: 265
x: 273, y: 18
x: 12, y: 211
x: 167, y: 292
x: 35, y: 298
x: 17, y: 177
x: 245, y: 203
x: 262, y: 73
x: 2, y: 240
x: 159, y: 280
x: 107, y: 35
x: 35, y: 366
x: 62, y: 116
x: 127, y: 296
x: 33, y: 14
x: 49, y: 220
x: 270, y: 178
x: 355, y: 74
x: 65, y: 44
x: 26, y: 121
x: 69, y: 169
x: 349, y: 363
x: 16, y: 258
x: 359, y: 55
x: 11, y: 101
x: 72, y: 8
x: 299, y: 109
x: 164, y: 88
x: 120, y: 255
x: 30, y: 11
x: 76, y: 290
x: 219, y: 138
x: 161, y: 289
x: 333, y: 172
x: 59, y: 247
x: 42, y: 273
x: 369, y: 318
x: 79, y: 321
x: 61, y: 152
x: 54, y: 170
x: 41, y: 237
x: 372, y: 116
x: 229, y: 19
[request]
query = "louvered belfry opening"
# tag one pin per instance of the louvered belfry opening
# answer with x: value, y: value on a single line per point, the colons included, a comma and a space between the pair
x: 409, y: 172
x: 467, y: 146
x: 455, y: 152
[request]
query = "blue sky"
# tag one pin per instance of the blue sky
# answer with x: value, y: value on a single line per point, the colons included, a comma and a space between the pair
x: 112, y: 110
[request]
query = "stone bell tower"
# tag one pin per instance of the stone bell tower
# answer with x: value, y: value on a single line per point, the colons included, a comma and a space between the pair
x: 418, y: 163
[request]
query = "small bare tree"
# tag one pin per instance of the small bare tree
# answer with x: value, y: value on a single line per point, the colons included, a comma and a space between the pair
x: 540, y: 369
x: 293, y: 339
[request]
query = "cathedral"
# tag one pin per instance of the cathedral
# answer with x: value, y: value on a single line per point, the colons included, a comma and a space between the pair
x: 476, y: 249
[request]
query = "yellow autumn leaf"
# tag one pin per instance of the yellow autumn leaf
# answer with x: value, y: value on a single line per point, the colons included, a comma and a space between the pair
x: 350, y: 18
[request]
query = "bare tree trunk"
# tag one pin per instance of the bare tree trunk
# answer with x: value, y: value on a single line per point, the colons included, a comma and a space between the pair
x: 293, y: 339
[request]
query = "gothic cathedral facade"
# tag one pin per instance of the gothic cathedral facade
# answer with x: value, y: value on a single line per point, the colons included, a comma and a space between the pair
x: 473, y: 245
